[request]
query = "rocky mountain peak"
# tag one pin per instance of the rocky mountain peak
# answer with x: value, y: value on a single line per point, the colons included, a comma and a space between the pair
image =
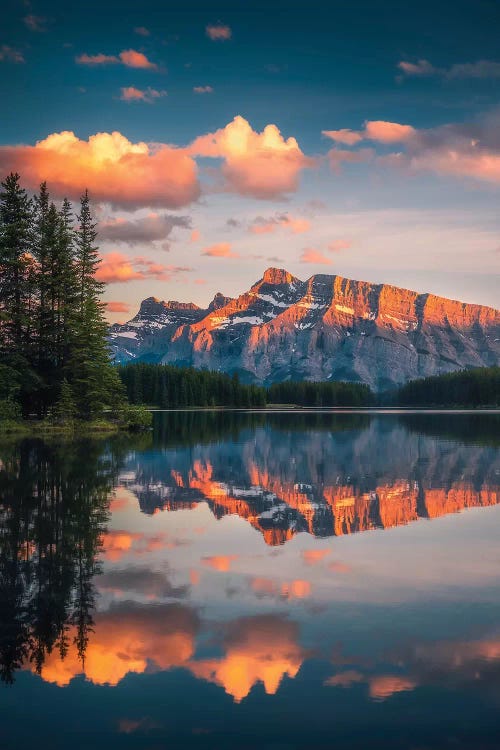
x: 219, y: 301
x: 278, y: 276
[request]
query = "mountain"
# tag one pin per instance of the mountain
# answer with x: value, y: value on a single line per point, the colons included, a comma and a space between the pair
x: 284, y: 480
x: 325, y: 328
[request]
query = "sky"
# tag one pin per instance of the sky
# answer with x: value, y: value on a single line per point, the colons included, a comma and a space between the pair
x: 217, y: 139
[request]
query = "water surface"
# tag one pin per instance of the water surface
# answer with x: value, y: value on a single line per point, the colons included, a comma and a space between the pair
x: 244, y: 580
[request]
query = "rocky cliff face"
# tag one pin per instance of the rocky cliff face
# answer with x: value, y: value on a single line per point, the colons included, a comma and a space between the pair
x: 325, y: 328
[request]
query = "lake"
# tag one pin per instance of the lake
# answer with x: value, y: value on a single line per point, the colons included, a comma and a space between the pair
x: 254, y: 580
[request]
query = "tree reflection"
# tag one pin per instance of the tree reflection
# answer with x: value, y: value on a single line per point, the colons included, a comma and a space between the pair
x: 53, y: 511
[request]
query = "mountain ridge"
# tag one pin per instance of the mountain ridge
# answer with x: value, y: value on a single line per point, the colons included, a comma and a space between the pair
x: 326, y: 327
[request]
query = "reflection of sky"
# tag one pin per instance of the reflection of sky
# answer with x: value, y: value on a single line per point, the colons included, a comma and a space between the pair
x: 372, y: 623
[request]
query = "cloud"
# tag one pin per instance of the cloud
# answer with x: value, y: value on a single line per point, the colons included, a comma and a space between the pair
x: 420, y: 68
x: 263, y: 165
x: 221, y: 563
x: 381, y: 131
x: 142, y: 31
x: 337, y: 157
x: 114, y: 169
x: 117, y: 307
x: 475, y: 70
x: 35, y: 23
x: 195, y: 235
x: 150, y: 228
x: 310, y: 255
x: 220, y: 250
x: 9, y: 54
x: 345, y: 136
x: 128, y: 638
x: 337, y: 245
x: 296, y: 589
x: 315, y: 556
x: 131, y: 58
x: 203, y: 89
x: 262, y: 225
x: 140, y: 580
x: 118, y: 268
x: 263, y: 649
x: 131, y: 94
x: 469, y: 150
x: 218, y: 32
x: 383, y: 686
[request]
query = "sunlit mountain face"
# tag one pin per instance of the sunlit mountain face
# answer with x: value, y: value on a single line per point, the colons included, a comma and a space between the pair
x: 206, y: 582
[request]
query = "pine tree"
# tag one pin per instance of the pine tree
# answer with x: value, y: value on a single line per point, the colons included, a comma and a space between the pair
x: 15, y: 244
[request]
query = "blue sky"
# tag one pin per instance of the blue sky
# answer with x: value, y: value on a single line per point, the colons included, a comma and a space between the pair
x: 415, y: 206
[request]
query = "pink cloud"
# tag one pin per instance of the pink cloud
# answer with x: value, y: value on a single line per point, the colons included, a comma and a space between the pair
x: 9, y: 54
x: 114, y: 169
x: 263, y: 165
x: 220, y: 250
x: 129, y: 57
x: 218, y: 32
x: 195, y: 235
x: 310, y: 255
x: 119, y: 268
x: 420, y: 68
x: 133, y: 59
x: 131, y: 94
x: 345, y: 136
x: 203, y: 89
x: 142, y: 31
x: 117, y: 307
x: 337, y: 245
x: 387, y: 132
x: 296, y: 225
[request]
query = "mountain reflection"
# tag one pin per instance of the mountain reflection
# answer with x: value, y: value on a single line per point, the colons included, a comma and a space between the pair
x: 319, y: 474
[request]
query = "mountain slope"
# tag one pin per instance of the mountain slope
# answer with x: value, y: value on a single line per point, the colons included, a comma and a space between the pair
x: 327, y: 327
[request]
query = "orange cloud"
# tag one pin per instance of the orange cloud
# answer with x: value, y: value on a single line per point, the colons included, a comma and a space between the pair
x: 131, y: 94
x: 298, y: 589
x: 345, y: 136
x: 221, y: 563
x: 339, y: 156
x: 420, y: 68
x: 263, y: 165
x: 337, y: 245
x: 128, y: 57
x: 118, y: 268
x: 218, y: 32
x: 220, y: 250
x: 195, y: 235
x: 258, y: 649
x: 116, y: 307
x: 374, y: 130
x: 127, y: 639
x: 314, y: 556
x: 203, y: 90
x: 387, y: 132
x: 115, y: 544
x: 310, y: 255
x: 114, y: 169
x: 386, y: 685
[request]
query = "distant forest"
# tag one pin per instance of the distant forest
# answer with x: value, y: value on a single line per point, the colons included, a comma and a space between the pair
x: 167, y: 386
x: 468, y: 388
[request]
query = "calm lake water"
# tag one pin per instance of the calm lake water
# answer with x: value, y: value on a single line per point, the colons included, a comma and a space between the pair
x: 243, y: 580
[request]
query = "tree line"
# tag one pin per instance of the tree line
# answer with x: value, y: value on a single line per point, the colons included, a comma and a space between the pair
x: 54, y: 356
x: 166, y: 386
x: 467, y: 388
x: 328, y: 393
